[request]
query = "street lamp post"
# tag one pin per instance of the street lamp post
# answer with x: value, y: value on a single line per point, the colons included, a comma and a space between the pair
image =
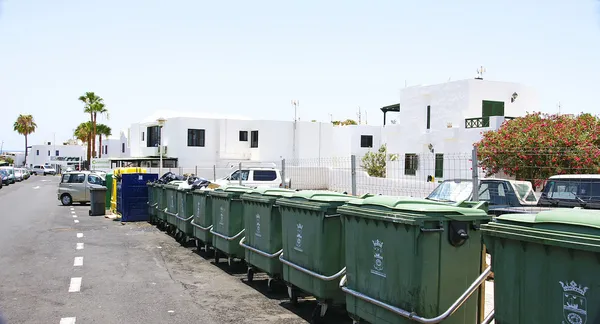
x: 161, y: 122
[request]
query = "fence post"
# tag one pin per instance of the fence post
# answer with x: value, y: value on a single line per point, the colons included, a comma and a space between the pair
x: 283, y: 182
x: 215, y: 172
x: 240, y: 173
x: 475, y: 166
x: 353, y: 172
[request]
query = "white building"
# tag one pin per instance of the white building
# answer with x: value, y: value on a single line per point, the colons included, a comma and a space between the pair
x: 115, y: 146
x: 17, y: 157
x: 62, y: 155
x: 438, y: 124
x: 210, y: 139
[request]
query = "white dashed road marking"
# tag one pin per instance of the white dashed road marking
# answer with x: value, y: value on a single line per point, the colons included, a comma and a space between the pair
x: 79, y: 246
x: 78, y: 262
x: 72, y: 212
x: 72, y: 208
x: 74, y: 216
x: 75, y: 285
x: 79, y: 235
x: 67, y: 320
x: 36, y: 187
x: 75, y: 221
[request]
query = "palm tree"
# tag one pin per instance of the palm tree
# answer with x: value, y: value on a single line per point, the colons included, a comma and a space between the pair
x: 83, y: 132
x: 102, y: 130
x: 25, y: 125
x: 93, y: 105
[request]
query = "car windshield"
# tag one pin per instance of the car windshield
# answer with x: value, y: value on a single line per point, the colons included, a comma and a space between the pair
x: 452, y: 191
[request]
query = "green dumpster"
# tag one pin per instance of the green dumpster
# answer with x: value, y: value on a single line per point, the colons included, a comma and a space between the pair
x: 161, y: 201
x: 172, y: 205
x: 411, y: 258
x: 109, y: 184
x: 152, y: 202
x: 228, y: 221
x: 313, y: 245
x: 185, y: 213
x: 202, y: 222
x: 262, y: 241
x: 546, y: 266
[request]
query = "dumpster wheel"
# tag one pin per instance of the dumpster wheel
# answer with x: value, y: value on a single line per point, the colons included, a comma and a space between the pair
x: 318, y: 313
x: 293, y: 294
x: 250, y: 274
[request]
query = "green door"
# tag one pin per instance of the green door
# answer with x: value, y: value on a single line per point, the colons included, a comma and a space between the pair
x: 439, y: 165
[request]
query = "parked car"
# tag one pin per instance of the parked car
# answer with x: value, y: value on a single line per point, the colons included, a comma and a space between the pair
x: 75, y: 186
x: 18, y: 174
x: 43, y: 170
x: 503, y: 196
x: 4, y: 176
x: 11, y: 174
x: 577, y: 190
x: 26, y: 173
x: 255, y: 177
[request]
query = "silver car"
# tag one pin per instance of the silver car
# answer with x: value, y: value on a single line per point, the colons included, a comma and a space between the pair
x: 75, y: 186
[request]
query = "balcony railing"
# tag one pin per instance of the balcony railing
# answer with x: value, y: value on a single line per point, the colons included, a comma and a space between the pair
x: 479, y: 122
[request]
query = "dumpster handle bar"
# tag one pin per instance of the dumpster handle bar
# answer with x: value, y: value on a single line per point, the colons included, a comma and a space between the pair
x: 255, y: 250
x: 228, y: 238
x: 412, y: 316
x: 488, y: 319
x: 152, y: 205
x: 184, y: 219
x: 312, y: 273
x: 200, y: 227
x: 170, y: 214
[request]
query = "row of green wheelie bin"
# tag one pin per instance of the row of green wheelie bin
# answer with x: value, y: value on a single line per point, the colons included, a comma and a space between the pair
x: 399, y: 260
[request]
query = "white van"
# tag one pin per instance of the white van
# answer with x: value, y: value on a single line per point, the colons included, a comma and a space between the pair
x: 43, y: 170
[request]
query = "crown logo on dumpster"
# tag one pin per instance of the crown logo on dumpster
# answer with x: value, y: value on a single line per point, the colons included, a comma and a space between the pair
x: 574, y: 302
x: 300, y: 226
x: 378, y: 244
x: 573, y: 286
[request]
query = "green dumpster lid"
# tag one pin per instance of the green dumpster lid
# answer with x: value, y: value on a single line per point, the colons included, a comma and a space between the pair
x: 409, y: 210
x: 577, y: 229
x: 267, y: 195
x: 410, y: 204
x: 277, y: 192
x: 233, y: 188
x: 317, y: 200
x: 566, y: 216
x: 322, y: 196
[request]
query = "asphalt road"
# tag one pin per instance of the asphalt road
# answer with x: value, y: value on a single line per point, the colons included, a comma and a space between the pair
x: 130, y: 273
x: 59, y: 265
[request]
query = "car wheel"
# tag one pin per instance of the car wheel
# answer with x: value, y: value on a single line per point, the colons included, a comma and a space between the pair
x: 66, y: 200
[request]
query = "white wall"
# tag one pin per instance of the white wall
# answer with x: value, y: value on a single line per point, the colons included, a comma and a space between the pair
x: 222, y: 145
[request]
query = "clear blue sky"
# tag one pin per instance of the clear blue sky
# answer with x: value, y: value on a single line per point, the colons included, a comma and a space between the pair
x: 254, y: 57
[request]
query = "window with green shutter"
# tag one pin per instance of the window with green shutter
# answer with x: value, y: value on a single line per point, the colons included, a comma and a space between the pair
x: 411, y: 163
x: 439, y: 165
x: 492, y: 108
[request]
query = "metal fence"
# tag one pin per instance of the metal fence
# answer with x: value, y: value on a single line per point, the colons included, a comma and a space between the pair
x: 415, y: 174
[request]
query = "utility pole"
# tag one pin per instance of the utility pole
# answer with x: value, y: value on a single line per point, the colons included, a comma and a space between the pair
x: 359, y: 115
x: 2, y: 147
x: 296, y: 103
